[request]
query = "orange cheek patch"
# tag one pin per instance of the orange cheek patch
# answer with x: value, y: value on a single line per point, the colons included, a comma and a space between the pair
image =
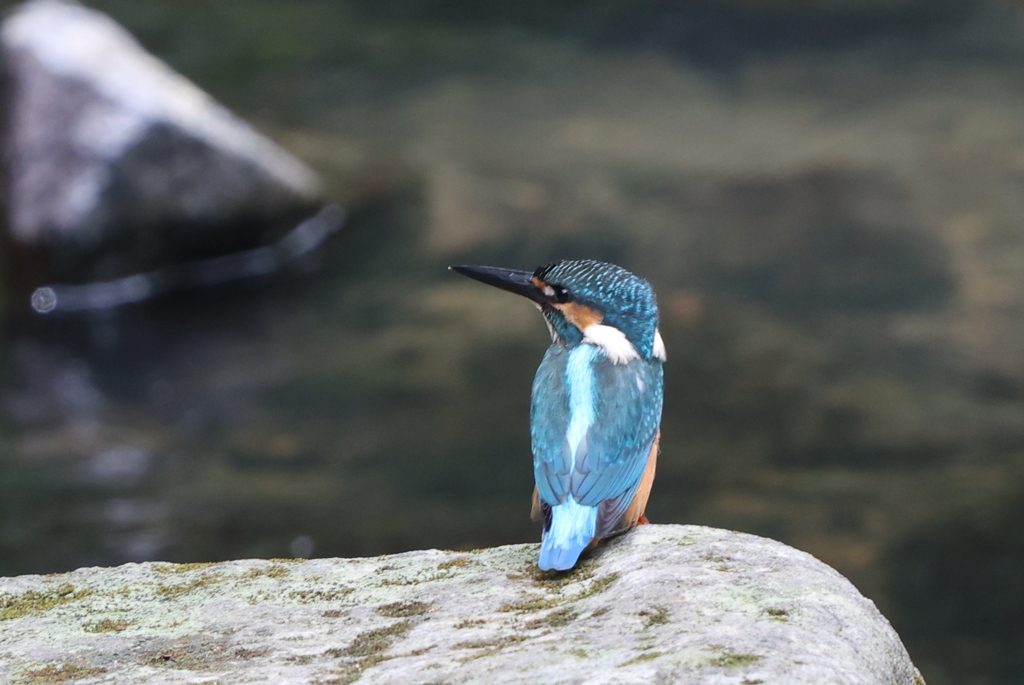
x: 580, y: 316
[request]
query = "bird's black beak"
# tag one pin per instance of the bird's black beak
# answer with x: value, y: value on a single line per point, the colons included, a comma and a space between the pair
x: 518, y: 282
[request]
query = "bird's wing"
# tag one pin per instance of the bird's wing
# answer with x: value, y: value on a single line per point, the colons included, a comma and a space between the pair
x: 549, y: 422
x: 619, y: 442
x: 612, y: 454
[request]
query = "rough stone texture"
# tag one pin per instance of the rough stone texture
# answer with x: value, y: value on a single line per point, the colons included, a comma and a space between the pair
x: 663, y: 604
x: 117, y: 164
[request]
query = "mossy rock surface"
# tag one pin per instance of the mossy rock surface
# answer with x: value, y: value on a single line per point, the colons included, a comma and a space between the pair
x: 662, y: 604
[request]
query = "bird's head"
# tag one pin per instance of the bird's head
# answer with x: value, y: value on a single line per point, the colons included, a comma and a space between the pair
x: 584, y: 300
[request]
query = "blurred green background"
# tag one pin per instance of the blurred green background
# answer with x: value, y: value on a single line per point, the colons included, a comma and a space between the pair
x: 826, y: 195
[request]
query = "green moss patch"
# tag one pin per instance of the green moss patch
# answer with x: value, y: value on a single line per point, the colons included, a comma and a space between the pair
x: 487, y: 647
x: 657, y: 616
x: 34, y: 601
x: 542, y: 603
x: 303, y: 659
x: 714, y: 558
x: 60, y: 673
x: 598, y: 586
x: 368, y: 649
x: 530, y: 605
x: 647, y: 656
x: 275, y: 571
x: 555, y: 580
x: 174, y: 591
x: 416, y: 580
x: 404, y: 609
x: 492, y: 645
x: 106, y: 626
x: 199, y: 653
x: 730, y: 659
x: 185, y: 568
x: 373, y: 642
x: 457, y: 562
x: 310, y: 596
x: 556, y: 619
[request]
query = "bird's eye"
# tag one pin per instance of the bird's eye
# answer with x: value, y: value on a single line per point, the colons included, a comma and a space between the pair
x: 553, y: 292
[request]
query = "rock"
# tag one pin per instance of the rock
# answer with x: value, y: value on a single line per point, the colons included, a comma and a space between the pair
x: 662, y: 604
x: 117, y: 164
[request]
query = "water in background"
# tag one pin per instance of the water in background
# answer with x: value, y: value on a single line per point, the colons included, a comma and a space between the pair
x: 827, y: 201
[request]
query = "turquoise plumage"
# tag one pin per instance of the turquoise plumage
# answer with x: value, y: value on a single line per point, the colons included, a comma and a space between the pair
x: 596, y: 401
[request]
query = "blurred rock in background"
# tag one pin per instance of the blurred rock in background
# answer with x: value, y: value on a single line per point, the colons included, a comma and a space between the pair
x: 118, y: 165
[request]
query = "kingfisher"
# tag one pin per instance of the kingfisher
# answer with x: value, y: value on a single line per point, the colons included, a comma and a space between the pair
x: 595, y: 411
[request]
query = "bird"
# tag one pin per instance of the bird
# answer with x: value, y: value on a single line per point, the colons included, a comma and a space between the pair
x: 596, y: 401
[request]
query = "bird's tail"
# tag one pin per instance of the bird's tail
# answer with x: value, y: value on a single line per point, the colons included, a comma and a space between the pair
x: 572, y: 528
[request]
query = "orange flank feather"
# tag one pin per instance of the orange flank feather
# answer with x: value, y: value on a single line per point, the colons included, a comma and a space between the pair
x: 635, y: 513
x: 535, y: 511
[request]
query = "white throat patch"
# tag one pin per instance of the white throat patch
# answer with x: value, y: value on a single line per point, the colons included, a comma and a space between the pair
x: 612, y: 342
x: 659, y: 346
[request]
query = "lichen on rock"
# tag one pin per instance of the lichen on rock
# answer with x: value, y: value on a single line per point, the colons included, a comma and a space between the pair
x: 661, y: 604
